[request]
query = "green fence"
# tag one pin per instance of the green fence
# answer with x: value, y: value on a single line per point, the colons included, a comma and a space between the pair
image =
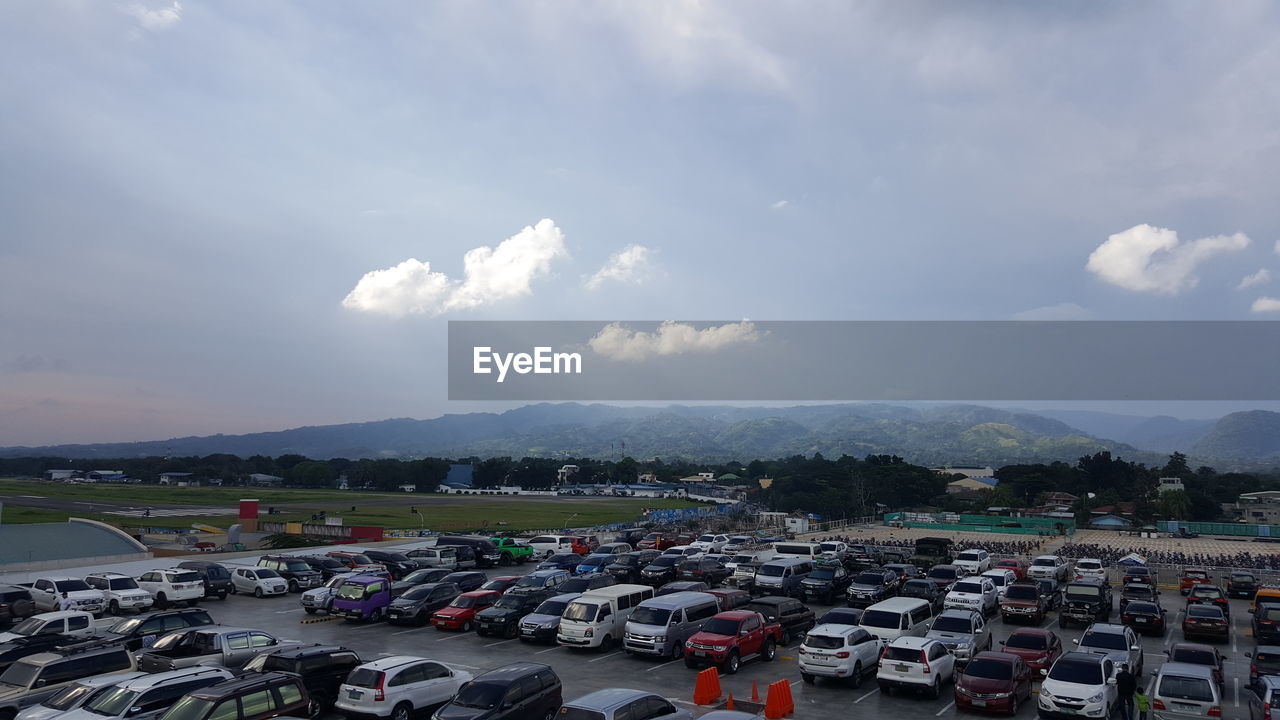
x: 981, y: 523
x: 1212, y: 528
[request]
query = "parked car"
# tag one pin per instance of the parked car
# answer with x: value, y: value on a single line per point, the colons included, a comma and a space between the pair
x: 77, y: 623
x: 1206, y: 621
x: 1090, y: 569
x: 122, y: 592
x: 1145, y: 617
x: 1085, y: 601
x: 926, y: 590
x: 561, y: 561
x: 420, y: 602
x: 613, y: 548
x: 423, y: 576
x: 257, y: 696
x: 1140, y: 574
x: 1049, y: 566
x: 731, y: 638
x: 944, y: 576
x: 217, y: 579
x: 397, y: 563
x: 260, y: 582
x: 503, y: 617
x: 35, y: 678
x: 363, y: 598
x: 662, y: 570
x: 1118, y: 642
x: 325, y: 565
x: 1206, y: 594
x: 794, y: 617
x: 460, y: 614
x: 15, y: 604
x: 1266, y: 623
x: 704, y: 568
x: 1263, y: 697
x: 1181, y: 690
x: 656, y: 541
x: 467, y: 580
x: 1052, y: 590
x: 1023, y: 602
x: 1001, y: 578
x: 592, y: 563
x: 18, y: 648
x: 586, y: 584
x: 621, y: 704
x: 1192, y: 576
x: 436, y: 557
x: 915, y: 663
x: 839, y: 652
x: 1264, y: 660
x: 1038, y: 647
x: 730, y: 598
x: 355, y: 560
x: 1077, y: 685
x: 871, y: 586
x: 322, y: 668
x: 543, y: 623
x: 974, y: 561
x: 501, y: 583
x: 209, y: 645
x: 296, y: 571
x: 841, y: 616
x: 1200, y: 654
x: 627, y: 566
x: 511, y: 692
x: 994, y: 681
x: 485, y: 551
x: 1242, y: 584
x: 962, y: 632
x: 547, y: 545
x: 147, y: 696
x: 136, y: 632
x: 73, y: 696
x: 1138, y: 591
x: 542, y: 583
x: 46, y: 593
x: 974, y: 593
x: 906, y: 571
x: 1014, y: 565
x: 710, y: 542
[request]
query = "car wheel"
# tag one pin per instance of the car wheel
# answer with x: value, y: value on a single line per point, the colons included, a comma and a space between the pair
x: 293, y: 586
x: 223, y: 595
x: 886, y: 689
x: 856, y: 679
x: 677, y: 650
x: 786, y: 638
x: 808, y: 679
x: 309, y: 611
x: 769, y: 651
x: 506, y: 560
x: 935, y: 690
x: 606, y: 644
x: 257, y: 592
x: 466, y: 626
x: 234, y: 590
x: 403, y: 711
x: 1013, y: 705
x: 162, y: 602
x: 732, y: 663
x: 114, y: 608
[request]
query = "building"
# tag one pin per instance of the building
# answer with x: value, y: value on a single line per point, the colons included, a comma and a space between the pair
x: 264, y: 480
x: 1170, y: 484
x: 459, y: 478
x: 1059, y: 498
x: 969, y: 471
x: 36, y: 547
x: 1255, y: 508
x: 647, y: 478
x: 61, y: 474
x: 971, y: 484
x: 1110, y: 522
x: 567, y: 474
x: 176, y: 478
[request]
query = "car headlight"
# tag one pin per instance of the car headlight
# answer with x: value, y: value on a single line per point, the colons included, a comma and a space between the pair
x: 1044, y: 693
x: 720, y: 648
x: 1095, y: 699
x: 660, y: 638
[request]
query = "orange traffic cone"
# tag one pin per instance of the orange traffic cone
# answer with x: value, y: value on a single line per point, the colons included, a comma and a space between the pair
x: 755, y: 693
x: 729, y: 705
x: 707, y: 688
x: 778, y: 703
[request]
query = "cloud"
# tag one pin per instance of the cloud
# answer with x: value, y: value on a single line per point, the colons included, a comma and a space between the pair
x: 489, y: 276
x: 33, y: 364
x: 632, y: 266
x: 1266, y: 304
x: 780, y: 205
x: 1261, y: 277
x: 618, y: 342
x: 1150, y: 259
x: 1278, y: 247
x: 1061, y: 311
x: 156, y: 20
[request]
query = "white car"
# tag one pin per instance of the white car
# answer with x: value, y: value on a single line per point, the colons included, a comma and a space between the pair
x: 973, y: 593
x: 1079, y: 684
x: 676, y: 550
x: 76, y: 623
x: 259, y: 581
x: 975, y: 561
x: 916, y: 663
x: 122, y: 592
x: 148, y: 696
x: 547, y: 545
x: 397, y: 686
x: 46, y: 594
x: 173, y: 585
x: 841, y: 652
x: 738, y: 543
x: 1002, y: 579
x: 710, y: 543
x: 1090, y: 569
x: 1049, y: 566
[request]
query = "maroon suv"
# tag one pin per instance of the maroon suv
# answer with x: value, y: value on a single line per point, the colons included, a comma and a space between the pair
x: 993, y: 681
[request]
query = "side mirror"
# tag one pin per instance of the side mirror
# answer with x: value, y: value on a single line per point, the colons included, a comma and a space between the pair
x: 1111, y: 681
x: 1248, y: 653
x: 1251, y: 610
x: 1075, y: 641
x: 1135, y: 647
x: 1044, y: 671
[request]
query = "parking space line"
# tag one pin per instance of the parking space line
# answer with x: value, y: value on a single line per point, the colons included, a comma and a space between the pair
x: 282, y: 612
x: 451, y: 637
x: 864, y: 697
x: 553, y: 647
x: 669, y: 662
x: 948, y: 707
x: 1235, y: 682
x: 402, y: 632
x: 501, y: 642
x: 606, y: 657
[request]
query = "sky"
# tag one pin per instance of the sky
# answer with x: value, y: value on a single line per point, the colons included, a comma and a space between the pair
x: 239, y: 216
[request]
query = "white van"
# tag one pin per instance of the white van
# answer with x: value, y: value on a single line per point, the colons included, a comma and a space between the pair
x: 661, y: 625
x: 599, y: 617
x: 897, y: 617
x: 807, y: 551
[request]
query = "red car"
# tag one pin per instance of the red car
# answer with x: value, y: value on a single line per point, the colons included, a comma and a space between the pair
x: 1206, y: 621
x: 1191, y: 577
x: 501, y: 584
x: 730, y: 638
x: 994, y: 681
x: 461, y: 613
x: 656, y: 541
x: 1037, y: 647
x: 578, y: 545
x: 1018, y: 567
x: 356, y: 561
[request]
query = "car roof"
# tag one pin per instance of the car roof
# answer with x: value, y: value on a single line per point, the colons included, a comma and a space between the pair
x: 1040, y: 632
x: 1186, y: 670
x: 834, y: 629
x: 308, y: 650
x: 480, y: 593
x: 151, y: 680
x: 392, y: 662
x: 955, y: 612
x: 910, y: 641
x: 996, y: 655
x: 607, y: 699
x: 736, y: 614
x: 672, y: 601
x: 1106, y: 628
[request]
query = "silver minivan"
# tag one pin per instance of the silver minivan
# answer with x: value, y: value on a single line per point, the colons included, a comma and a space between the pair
x: 1182, y: 691
x: 782, y: 576
x: 661, y: 625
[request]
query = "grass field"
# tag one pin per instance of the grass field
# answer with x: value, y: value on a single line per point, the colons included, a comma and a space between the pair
x: 390, y: 510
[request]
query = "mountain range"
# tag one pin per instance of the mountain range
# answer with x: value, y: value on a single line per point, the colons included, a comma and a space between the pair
x: 945, y: 434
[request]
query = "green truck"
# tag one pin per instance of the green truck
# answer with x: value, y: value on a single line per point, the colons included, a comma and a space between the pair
x: 931, y: 551
x: 513, y: 551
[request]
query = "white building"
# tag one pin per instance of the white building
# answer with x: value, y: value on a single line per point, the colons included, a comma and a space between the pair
x: 1169, y: 484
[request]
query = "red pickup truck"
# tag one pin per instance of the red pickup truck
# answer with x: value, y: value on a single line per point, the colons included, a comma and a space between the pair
x: 731, y: 638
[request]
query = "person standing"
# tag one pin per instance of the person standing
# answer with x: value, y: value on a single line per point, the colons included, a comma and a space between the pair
x: 1126, y: 686
x: 65, y: 602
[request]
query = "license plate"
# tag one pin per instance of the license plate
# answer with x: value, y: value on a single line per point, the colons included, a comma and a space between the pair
x: 978, y: 703
x: 900, y: 668
x: 700, y: 653
x: 1142, y: 620
x: 354, y: 694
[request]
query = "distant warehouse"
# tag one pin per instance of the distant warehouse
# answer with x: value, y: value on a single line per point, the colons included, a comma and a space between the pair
x: 29, y: 547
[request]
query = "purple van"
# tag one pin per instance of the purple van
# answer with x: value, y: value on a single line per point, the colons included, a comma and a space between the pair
x: 363, y: 597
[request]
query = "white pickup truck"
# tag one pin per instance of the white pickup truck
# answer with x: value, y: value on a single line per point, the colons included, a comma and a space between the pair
x: 46, y: 592
x: 72, y: 623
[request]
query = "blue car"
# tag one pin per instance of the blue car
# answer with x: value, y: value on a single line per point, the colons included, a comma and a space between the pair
x: 594, y: 563
x: 539, y: 581
x: 561, y: 561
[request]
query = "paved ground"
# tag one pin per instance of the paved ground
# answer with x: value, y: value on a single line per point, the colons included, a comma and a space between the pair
x: 584, y: 672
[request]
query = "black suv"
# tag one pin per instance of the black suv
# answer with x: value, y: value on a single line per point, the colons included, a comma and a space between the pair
x: 416, y: 604
x: 294, y: 569
x: 1242, y: 585
x: 20, y: 647
x: 661, y: 571
x: 1084, y: 602
x: 466, y: 580
x: 871, y: 586
x: 586, y: 583
x: 134, y: 632
x: 512, y: 692
x: 794, y: 616
x: 926, y: 590
x: 503, y: 617
x: 486, y: 553
x: 826, y: 581
x: 217, y: 579
x: 397, y: 563
x: 704, y: 569
x: 321, y: 667
x: 626, y: 567
x: 423, y: 576
x: 274, y: 694
x: 326, y: 566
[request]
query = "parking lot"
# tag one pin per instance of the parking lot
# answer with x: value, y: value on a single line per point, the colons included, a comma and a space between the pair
x: 583, y: 672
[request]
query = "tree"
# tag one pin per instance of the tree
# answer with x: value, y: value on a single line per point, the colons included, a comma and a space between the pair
x: 1174, y: 505
x: 312, y: 474
x: 1177, y: 467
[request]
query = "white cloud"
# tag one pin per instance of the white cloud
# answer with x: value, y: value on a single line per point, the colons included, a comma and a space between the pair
x: 156, y: 20
x: 490, y: 275
x: 1061, y: 311
x: 618, y: 342
x: 1150, y: 259
x: 1261, y: 277
x: 632, y: 266
x: 781, y: 204
x: 1266, y: 304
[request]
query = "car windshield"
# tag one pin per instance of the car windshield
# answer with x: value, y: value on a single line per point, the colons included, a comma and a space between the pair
x: 720, y: 626
x: 997, y: 580
x: 969, y: 556
x: 1239, y: 577
x: 69, y: 697
x: 1269, y: 612
x: 1206, y: 591
x: 189, y: 708
x: 264, y: 573
x: 1203, y: 611
x: 1185, y: 688
x: 881, y: 619
x: 598, y: 559
x: 420, y: 592
x: 1136, y: 591
x: 740, y: 559
x: 822, y: 574
x: 351, y: 591
x: 1083, y: 592
x: 968, y: 587
x: 29, y: 626
x: 511, y: 602
x: 1195, y: 656
x: 418, y: 576
x: 989, y: 669
x: 625, y: 560
x: 480, y: 695
x: 124, y: 583
x: 71, y: 585
x: 841, y: 616
x: 298, y: 566
x: 706, y: 538
x: 1044, y: 562
x: 20, y: 674
x: 666, y: 561
x: 943, y: 573
x: 1026, y: 641
x: 563, y: 557
x: 1075, y: 671
x: 823, y: 642
x: 1089, y: 565
x: 650, y: 616
x: 1109, y: 641
x: 498, y: 584
x: 771, y: 570
x: 902, y: 654
x: 870, y: 579
x: 1137, y: 572
x: 951, y: 623
x: 463, y: 601
x: 917, y: 585
x: 581, y: 612
x: 553, y: 607
x: 1021, y: 592
x: 113, y: 702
